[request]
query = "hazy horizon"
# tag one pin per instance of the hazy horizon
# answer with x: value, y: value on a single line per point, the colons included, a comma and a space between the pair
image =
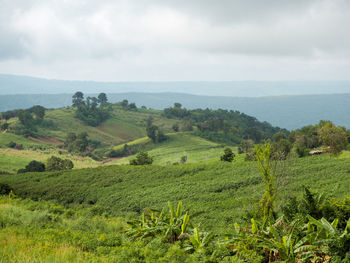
x: 13, y: 84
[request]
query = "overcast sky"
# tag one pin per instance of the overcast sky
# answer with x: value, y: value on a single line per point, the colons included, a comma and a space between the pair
x: 166, y: 40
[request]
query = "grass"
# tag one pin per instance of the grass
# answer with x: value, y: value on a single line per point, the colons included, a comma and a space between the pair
x: 122, y: 126
x: 11, y: 159
x: 10, y: 163
x: 46, y: 232
x: 177, y: 145
x: 6, y: 138
x: 223, y: 191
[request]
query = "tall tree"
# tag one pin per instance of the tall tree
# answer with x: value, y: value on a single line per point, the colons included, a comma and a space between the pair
x: 102, y: 98
x: 78, y: 99
x: 25, y: 117
x: 39, y: 112
x: 334, y: 138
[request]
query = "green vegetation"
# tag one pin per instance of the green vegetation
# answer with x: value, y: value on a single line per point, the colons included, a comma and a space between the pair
x: 217, y: 188
x: 142, y: 158
x: 33, y: 166
x: 223, y: 189
x: 58, y: 164
x: 311, y: 226
x: 177, y: 145
x: 228, y: 155
x: 222, y: 125
x: 93, y: 110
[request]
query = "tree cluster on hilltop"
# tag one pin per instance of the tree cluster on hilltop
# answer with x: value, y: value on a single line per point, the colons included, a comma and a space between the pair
x: 92, y: 111
x: 223, y: 125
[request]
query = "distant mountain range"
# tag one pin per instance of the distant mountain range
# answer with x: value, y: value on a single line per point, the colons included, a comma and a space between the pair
x: 13, y: 84
x: 289, y: 112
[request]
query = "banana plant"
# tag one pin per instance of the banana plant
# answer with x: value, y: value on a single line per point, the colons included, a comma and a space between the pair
x: 199, y: 241
x: 335, y: 242
x: 283, y: 242
x: 171, y: 224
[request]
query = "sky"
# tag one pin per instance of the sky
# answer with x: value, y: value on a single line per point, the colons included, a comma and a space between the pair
x: 176, y: 40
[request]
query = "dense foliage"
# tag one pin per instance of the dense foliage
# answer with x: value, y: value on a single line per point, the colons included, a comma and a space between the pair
x: 93, y: 110
x: 223, y: 125
x: 324, y: 136
x: 142, y: 158
x: 33, y: 166
x: 57, y: 164
x: 228, y: 155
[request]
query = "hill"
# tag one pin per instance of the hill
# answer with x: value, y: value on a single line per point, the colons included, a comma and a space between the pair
x: 290, y: 112
x: 125, y: 125
x: 177, y: 145
x: 224, y: 192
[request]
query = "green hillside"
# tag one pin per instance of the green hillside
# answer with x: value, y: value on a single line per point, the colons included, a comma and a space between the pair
x: 223, y: 191
x: 177, y: 145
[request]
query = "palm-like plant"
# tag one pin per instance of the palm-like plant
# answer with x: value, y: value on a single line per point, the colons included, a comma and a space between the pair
x: 171, y: 224
x: 199, y: 240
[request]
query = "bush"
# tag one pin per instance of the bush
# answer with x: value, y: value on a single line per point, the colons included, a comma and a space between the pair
x: 33, y: 166
x: 142, y: 158
x: 57, y: 164
x: 228, y: 155
x: 5, y: 189
x: 11, y: 144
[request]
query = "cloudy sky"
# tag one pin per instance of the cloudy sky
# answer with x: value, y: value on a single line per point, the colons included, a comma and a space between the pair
x: 166, y: 40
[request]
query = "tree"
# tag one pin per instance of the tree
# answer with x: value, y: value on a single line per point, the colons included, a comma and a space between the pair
x: 57, y: 164
x: 142, y: 158
x: 132, y: 106
x: 176, y: 127
x: 6, y: 116
x: 279, y: 136
x: 78, y: 99
x: 228, y: 155
x: 281, y: 149
x: 39, y: 112
x: 333, y: 138
x: 155, y: 134
x: 177, y: 105
x: 124, y: 103
x: 246, y: 146
x: 69, y: 142
x: 102, y: 98
x: 25, y: 118
x: 33, y: 166
x: 81, y: 143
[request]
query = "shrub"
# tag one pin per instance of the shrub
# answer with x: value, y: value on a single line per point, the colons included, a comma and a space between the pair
x: 228, y: 155
x: 142, y: 158
x: 11, y: 144
x: 5, y: 189
x: 57, y: 164
x: 33, y: 166
x: 183, y: 159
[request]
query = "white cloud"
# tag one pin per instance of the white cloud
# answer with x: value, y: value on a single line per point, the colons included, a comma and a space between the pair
x: 176, y: 40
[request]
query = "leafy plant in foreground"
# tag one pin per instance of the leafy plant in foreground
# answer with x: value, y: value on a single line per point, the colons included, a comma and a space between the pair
x: 170, y: 224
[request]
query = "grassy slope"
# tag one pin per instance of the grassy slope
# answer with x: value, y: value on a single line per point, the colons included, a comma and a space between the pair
x: 177, y: 145
x: 56, y: 235
x: 11, y: 159
x: 6, y: 138
x: 223, y: 191
x: 122, y: 126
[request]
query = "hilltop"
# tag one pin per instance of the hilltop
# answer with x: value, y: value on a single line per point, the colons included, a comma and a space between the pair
x: 290, y: 112
x: 200, y: 135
